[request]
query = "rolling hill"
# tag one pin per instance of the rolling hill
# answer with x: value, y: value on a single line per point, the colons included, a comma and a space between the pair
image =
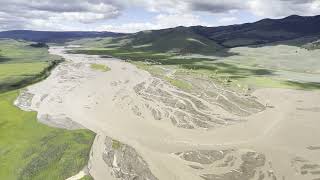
x: 264, y: 31
x: 297, y: 30
x: 179, y: 39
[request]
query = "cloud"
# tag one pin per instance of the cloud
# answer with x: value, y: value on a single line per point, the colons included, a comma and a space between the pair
x: 270, y: 8
x: 281, y: 8
x: 182, y: 12
x: 16, y: 14
x: 227, y: 20
x: 161, y: 21
x: 95, y: 14
x: 259, y: 7
x: 214, y: 6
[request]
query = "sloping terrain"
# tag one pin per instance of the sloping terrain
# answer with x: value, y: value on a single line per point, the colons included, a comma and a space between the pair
x: 197, y: 39
x: 273, y: 60
x: 264, y: 31
x: 179, y: 40
x: 292, y: 30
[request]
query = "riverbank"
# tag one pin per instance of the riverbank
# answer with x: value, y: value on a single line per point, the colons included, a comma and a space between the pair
x: 29, y: 149
x: 168, y: 133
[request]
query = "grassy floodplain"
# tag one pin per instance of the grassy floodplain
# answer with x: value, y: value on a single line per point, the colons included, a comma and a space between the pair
x: 220, y: 69
x: 29, y: 149
x: 22, y: 64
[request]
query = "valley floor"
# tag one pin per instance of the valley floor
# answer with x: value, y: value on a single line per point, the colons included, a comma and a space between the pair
x: 148, y: 128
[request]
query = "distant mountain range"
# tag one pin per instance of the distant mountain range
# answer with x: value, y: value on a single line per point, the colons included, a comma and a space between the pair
x: 54, y: 36
x: 297, y: 30
x: 261, y: 32
x: 196, y: 39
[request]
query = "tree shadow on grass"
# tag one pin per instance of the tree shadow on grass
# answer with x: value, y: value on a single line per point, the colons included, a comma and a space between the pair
x: 303, y: 85
x: 4, y: 59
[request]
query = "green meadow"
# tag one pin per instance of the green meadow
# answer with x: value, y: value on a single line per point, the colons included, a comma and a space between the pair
x: 21, y: 64
x: 29, y: 149
x: 220, y: 69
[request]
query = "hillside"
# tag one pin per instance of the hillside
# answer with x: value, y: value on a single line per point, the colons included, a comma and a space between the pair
x: 276, y: 49
x: 292, y: 30
x: 264, y: 31
x: 180, y: 39
x: 298, y: 30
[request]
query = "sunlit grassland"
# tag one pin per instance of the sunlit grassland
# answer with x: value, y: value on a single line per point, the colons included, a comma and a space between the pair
x: 14, y: 72
x: 237, y: 75
x: 265, y: 82
x: 18, y: 75
x: 31, y: 150
x: 21, y: 64
x: 125, y: 54
x: 12, y: 51
x: 243, y: 77
x: 276, y: 57
x: 152, y: 69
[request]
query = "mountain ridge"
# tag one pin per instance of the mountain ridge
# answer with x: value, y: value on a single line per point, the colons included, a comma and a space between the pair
x: 263, y: 31
x: 194, y: 39
x: 209, y: 40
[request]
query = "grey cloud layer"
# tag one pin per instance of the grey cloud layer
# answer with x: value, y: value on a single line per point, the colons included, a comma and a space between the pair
x: 16, y: 14
x: 57, y: 14
x: 216, y: 6
x: 225, y: 6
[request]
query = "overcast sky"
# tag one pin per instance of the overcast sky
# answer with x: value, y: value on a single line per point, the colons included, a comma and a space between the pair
x: 137, y: 15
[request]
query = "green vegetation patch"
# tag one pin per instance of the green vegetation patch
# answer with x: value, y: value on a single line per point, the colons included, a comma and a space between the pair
x: 86, y: 177
x: 125, y: 54
x: 240, y: 70
x: 178, y: 83
x: 20, y: 70
x: 116, y: 144
x: 267, y: 82
x: 152, y: 69
x: 100, y: 67
x: 180, y: 40
x: 31, y: 150
x: 17, y: 75
x: 227, y: 69
x: 12, y: 51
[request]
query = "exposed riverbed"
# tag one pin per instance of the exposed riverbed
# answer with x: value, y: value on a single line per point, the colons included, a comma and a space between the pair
x: 148, y: 129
